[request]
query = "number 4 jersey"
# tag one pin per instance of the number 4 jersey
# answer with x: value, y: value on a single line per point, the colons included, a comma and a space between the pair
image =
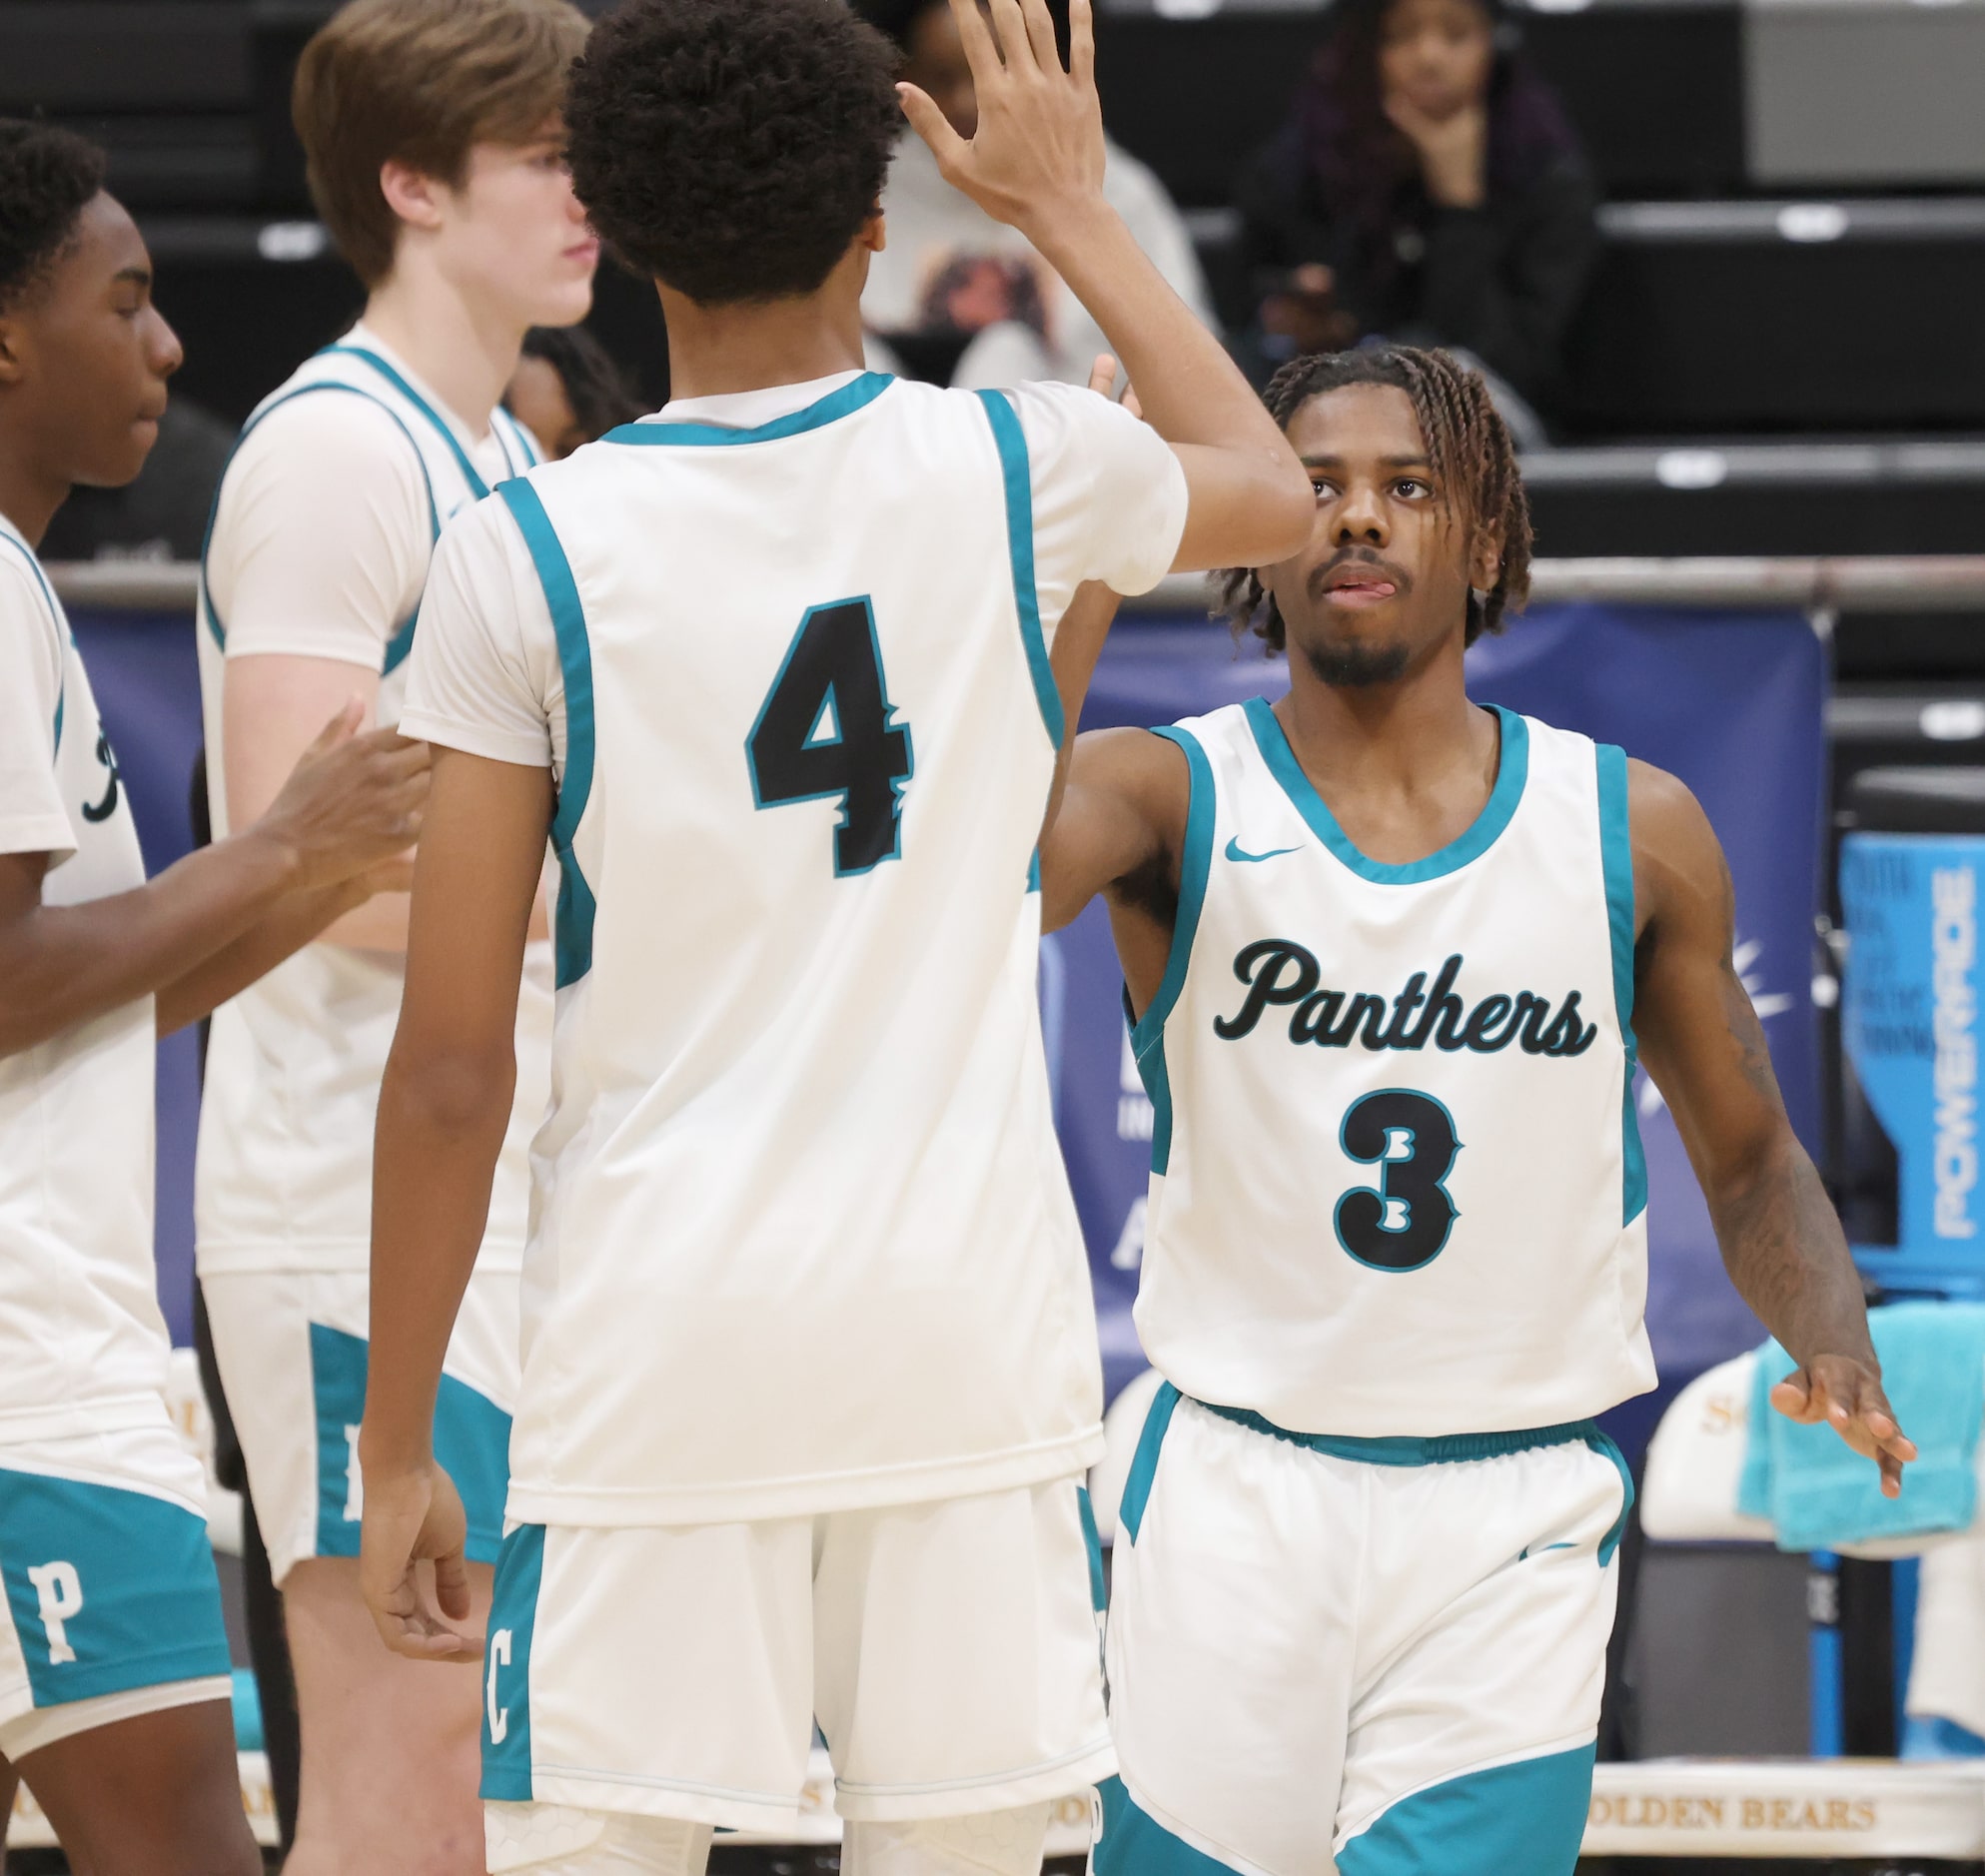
x: 803, y: 1241
x: 1396, y: 1183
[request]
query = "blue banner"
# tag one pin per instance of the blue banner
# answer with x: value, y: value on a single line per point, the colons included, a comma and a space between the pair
x: 146, y: 676
x: 1733, y: 704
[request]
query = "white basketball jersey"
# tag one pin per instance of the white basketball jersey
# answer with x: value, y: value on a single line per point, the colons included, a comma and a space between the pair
x: 293, y: 1063
x: 805, y: 1242
x: 82, y: 1343
x: 1396, y: 1181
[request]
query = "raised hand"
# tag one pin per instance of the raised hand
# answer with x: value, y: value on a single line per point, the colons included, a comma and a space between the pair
x: 412, y: 1518
x: 1039, y: 143
x: 353, y: 802
x: 1848, y: 1395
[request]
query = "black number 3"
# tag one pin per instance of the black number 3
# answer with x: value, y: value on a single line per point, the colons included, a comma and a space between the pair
x: 827, y: 728
x: 1404, y: 1223
x: 94, y: 812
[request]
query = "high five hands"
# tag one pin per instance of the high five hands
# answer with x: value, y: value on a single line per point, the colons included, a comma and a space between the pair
x: 1848, y: 1395
x: 1039, y: 143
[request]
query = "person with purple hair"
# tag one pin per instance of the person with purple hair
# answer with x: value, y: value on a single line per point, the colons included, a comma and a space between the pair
x: 1427, y: 186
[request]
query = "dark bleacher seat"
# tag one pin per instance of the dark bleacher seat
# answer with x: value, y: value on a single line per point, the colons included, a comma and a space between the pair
x: 164, y: 84
x: 1814, y: 316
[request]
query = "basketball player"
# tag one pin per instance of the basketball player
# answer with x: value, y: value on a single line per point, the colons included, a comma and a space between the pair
x: 436, y: 151
x: 1390, y: 958
x: 811, y: 1371
x: 114, y: 1684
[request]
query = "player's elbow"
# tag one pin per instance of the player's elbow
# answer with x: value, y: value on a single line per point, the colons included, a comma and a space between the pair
x: 1287, y: 512
x: 447, y: 1092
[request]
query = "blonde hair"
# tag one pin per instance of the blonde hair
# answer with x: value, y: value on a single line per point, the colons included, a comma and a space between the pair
x: 421, y: 82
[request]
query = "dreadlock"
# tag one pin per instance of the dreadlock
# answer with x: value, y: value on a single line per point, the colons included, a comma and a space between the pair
x: 1468, y: 448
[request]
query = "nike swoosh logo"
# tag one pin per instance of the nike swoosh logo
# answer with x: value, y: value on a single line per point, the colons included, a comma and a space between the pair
x: 1526, y: 1551
x: 1234, y: 852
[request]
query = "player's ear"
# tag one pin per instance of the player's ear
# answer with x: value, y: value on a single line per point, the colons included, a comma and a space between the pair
x: 411, y: 194
x: 13, y: 350
x: 874, y: 233
x: 1485, y: 560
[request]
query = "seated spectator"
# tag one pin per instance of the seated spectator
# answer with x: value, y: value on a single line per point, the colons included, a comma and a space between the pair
x: 1428, y: 188
x: 568, y: 389
x: 961, y: 298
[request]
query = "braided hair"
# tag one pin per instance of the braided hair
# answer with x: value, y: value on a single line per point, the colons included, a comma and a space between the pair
x: 1468, y: 448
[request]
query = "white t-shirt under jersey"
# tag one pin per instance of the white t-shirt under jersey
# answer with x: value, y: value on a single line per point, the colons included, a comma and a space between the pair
x: 320, y: 549
x: 82, y: 1343
x: 803, y: 1240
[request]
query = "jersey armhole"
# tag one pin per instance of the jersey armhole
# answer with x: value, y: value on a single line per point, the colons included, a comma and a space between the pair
x: 1017, y: 477
x: 576, y: 905
x: 1617, y: 861
x: 1148, y: 1032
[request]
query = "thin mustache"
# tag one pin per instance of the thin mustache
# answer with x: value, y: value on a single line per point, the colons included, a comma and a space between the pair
x: 1385, y: 569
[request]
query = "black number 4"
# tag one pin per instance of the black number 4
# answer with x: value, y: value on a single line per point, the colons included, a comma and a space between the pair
x: 826, y: 728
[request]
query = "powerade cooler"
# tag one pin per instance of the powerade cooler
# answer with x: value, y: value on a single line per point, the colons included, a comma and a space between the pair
x: 1912, y: 888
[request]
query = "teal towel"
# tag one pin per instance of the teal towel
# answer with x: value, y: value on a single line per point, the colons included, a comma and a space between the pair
x: 1820, y: 1495
x: 248, y: 1712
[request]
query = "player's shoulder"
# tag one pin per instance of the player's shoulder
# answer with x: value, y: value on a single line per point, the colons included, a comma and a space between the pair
x: 327, y: 443
x: 1147, y: 766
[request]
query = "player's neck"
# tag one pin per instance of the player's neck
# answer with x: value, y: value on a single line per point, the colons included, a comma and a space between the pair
x: 717, y: 350
x: 465, y: 352
x: 1403, y: 737
x: 29, y: 495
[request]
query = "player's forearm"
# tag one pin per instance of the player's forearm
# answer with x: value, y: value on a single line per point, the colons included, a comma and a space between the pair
x: 1191, y: 391
x: 64, y: 965
x: 1079, y: 641
x: 379, y: 924
x: 295, y: 922
x: 441, y: 1128
x: 1786, y: 1252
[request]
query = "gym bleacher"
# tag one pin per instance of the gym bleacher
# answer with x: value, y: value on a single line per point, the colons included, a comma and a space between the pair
x: 1782, y: 355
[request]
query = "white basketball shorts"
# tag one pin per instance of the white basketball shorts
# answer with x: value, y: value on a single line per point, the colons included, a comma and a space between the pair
x: 112, y: 1607
x: 949, y: 1651
x: 1379, y: 1657
x: 293, y: 1351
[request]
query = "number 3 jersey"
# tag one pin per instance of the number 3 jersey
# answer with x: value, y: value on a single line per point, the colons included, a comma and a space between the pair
x: 1396, y: 1182
x: 803, y: 1241
x: 82, y: 1343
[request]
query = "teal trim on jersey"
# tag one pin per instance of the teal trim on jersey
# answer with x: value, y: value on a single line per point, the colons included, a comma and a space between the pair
x: 1616, y: 857
x: 55, y: 613
x: 576, y: 905
x: 854, y: 396
x: 1147, y: 1036
x: 436, y: 422
x: 1408, y: 1449
x: 1134, y: 1843
x: 1011, y: 442
x: 509, y: 430
x: 1526, y: 1819
x: 107, y: 1589
x: 1602, y: 1443
x: 1144, y: 1463
x: 506, y: 1667
x: 402, y: 634
x: 1092, y: 1544
x: 1034, y: 870
x: 1511, y: 775
x: 471, y: 1444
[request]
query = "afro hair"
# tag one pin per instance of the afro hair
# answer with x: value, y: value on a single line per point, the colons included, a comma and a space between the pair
x: 47, y: 178
x: 732, y: 149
